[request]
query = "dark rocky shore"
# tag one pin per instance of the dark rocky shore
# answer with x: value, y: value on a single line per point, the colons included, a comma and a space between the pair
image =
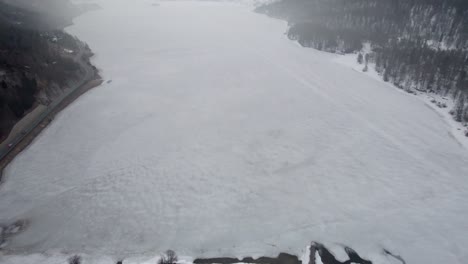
x: 316, y: 250
x: 39, y: 61
x: 42, y: 69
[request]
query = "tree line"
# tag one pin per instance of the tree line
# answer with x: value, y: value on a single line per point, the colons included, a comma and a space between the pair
x: 416, y: 44
x: 35, y: 64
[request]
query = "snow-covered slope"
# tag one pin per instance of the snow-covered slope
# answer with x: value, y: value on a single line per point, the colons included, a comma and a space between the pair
x: 219, y: 136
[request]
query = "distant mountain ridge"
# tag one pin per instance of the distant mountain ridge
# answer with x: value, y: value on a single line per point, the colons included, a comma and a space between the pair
x: 416, y: 44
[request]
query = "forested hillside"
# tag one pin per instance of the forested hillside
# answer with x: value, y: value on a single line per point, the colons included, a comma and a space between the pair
x: 416, y: 44
x: 38, y: 61
x: 47, y: 14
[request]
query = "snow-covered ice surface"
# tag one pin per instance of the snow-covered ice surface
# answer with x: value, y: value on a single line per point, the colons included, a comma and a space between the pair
x: 220, y: 137
x: 433, y: 100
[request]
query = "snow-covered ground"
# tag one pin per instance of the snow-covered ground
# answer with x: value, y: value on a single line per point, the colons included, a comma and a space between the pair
x: 220, y: 137
x: 441, y: 104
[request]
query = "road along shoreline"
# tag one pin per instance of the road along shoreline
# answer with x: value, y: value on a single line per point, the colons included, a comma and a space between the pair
x: 30, y: 126
x: 37, y: 125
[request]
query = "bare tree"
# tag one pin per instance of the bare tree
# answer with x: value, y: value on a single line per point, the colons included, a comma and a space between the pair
x: 74, y: 260
x: 169, y: 257
x: 360, y: 58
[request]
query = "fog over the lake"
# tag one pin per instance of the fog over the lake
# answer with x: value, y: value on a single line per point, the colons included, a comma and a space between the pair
x: 216, y: 135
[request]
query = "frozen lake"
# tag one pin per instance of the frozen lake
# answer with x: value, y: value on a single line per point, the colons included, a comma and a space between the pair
x: 219, y: 136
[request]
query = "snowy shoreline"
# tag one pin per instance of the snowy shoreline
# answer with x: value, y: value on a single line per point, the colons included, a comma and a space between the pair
x: 315, y: 253
x: 456, y: 129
